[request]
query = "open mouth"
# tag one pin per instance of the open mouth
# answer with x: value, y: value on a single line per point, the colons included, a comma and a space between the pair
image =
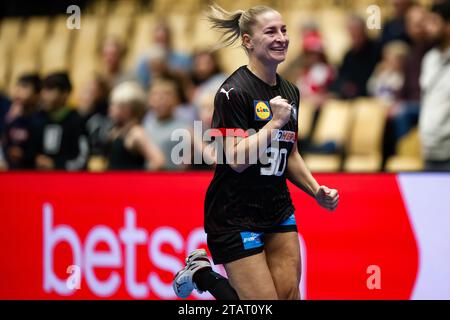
x: 278, y: 49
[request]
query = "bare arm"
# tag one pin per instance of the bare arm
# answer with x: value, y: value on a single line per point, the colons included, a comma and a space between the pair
x: 281, y: 111
x: 244, y: 146
x: 299, y: 174
x: 142, y: 144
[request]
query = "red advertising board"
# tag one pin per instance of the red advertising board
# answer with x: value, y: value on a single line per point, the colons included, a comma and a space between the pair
x: 126, y: 234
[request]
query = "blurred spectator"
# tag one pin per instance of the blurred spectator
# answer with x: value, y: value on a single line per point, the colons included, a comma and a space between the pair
x: 3, y: 165
x: 395, y: 28
x: 358, y: 63
x: 185, y: 111
x: 206, y: 110
x: 130, y: 148
x: 20, y: 122
x: 160, y: 121
x: 156, y: 63
x: 4, y: 107
x: 387, y: 79
x: 60, y: 140
x: 311, y: 71
x: 177, y: 62
x: 112, y: 57
x: 420, y: 44
x: 202, y: 143
x: 94, y: 110
x: 434, y: 119
x: 404, y: 114
x: 206, y: 76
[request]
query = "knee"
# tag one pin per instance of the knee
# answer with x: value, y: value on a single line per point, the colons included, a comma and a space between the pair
x: 291, y: 292
x: 260, y: 295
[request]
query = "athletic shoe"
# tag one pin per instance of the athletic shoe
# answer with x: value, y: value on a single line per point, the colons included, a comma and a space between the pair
x: 183, y: 283
x: 197, y: 254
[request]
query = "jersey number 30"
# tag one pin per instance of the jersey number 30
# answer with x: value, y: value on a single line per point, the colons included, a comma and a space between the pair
x: 276, y: 162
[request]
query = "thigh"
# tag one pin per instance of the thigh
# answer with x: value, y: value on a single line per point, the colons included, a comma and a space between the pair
x: 283, y: 259
x: 251, y: 278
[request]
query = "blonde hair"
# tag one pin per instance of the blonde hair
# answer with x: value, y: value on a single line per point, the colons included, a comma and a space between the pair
x: 130, y: 93
x: 234, y: 24
x: 396, y: 48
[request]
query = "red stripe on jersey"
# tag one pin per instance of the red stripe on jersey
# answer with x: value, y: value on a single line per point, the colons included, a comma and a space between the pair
x: 229, y: 132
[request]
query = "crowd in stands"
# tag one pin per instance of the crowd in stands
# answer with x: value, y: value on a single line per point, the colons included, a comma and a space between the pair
x: 125, y: 118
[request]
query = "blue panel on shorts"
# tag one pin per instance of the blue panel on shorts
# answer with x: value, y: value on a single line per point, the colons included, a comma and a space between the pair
x: 251, y: 240
x: 289, y: 221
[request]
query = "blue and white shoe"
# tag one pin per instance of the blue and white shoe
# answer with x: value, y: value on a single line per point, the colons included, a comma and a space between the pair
x: 182, y: 283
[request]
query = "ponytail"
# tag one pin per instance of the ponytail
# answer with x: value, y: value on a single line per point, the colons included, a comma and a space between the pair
x: 227, y: 23
x: 234, y: 24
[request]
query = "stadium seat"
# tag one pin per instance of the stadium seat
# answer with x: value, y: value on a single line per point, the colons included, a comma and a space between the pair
x: 84, y: 55
x: 55, y: 52
x: 97, y: 164
x: 5, y: 65
x: 305, y: 119
x: 408, y: 155
x: 332, y: 126
x: 125, y: 7
x: 25, y: 59
x: 36, y: 29
x: 180, y: 26
x: 10, y: 29
x: 88, y: 37
x: 202, y: 34
x: 332, y: 22
x: 333, y: 123
x: 294, y: 20
x: 55, y: 55
x: 143, y: 36
x: 232, y: 58
x: 17, y: 56
x: 59, y: 26
x: 118, y: 26
x: 364, y: 147
x: 323, y: 162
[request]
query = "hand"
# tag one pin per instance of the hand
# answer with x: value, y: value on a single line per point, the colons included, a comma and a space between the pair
x: 281, y: 111
x: 3, y: 166
x: 327, y: 198
x: 44, y: 163
x: 15, y: 154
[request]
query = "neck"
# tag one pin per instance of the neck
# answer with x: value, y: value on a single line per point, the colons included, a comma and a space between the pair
x: 266, y: 72
x: 113, y: 69
x: 59, y: 113
x: 164, y: 117
x: 445, y: 45
x: 123, y: 127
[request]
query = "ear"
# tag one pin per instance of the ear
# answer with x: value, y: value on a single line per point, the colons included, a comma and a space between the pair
x: 247, y: 41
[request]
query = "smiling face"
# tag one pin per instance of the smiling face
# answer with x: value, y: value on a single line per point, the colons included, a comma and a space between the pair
x: 269, y: 41
x: 163, y: 99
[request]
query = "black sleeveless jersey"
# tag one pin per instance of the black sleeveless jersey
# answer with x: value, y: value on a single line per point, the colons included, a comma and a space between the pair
x: 120, y: 158
x: 257, y: 198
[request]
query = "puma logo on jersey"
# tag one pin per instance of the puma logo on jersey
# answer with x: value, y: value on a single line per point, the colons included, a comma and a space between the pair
x: 222, y: 90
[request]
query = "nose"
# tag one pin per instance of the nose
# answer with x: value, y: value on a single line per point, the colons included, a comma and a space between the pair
x: 282, y: 37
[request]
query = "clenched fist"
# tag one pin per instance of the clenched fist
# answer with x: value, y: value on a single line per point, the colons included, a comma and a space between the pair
x: 281, y: 111
x: 327, y: 198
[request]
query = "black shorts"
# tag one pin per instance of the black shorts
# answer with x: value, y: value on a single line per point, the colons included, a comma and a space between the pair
x: 232, y: 246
